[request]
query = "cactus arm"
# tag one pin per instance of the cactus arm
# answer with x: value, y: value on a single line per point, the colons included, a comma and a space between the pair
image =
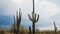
x: 55, y: 25
x: 14, y: 18
x: 30, y: 17
x: 17, y: 14
x: 20, y: 14
x: 37, y: 18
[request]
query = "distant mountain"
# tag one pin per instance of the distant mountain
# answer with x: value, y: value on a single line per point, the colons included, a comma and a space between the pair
x: 5, y: 21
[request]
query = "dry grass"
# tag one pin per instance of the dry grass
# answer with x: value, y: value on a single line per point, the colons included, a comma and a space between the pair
x: 49, y: 32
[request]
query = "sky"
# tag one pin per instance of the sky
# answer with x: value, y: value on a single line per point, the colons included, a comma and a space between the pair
x: 48, y: 10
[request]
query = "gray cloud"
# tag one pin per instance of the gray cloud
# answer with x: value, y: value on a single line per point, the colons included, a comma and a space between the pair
x: 7, y: 7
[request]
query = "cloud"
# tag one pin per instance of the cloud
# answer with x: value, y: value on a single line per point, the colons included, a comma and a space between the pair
x: 45, y: 9
x: 7, y: 7
x: 18, y: 1
x: 49, y: 28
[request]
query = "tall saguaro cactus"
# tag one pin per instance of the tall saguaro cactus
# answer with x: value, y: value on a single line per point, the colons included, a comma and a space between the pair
x: 18, y: 20
x: 55, y: 28
x: 34, y: 18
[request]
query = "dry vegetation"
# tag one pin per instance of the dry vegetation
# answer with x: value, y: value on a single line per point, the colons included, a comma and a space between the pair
x: 42, y: 32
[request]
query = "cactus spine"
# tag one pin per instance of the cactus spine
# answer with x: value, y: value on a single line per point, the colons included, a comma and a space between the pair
x: 29, y: 30
x: 55, y: 28
x: 33, y: 19
x: 18, y: 20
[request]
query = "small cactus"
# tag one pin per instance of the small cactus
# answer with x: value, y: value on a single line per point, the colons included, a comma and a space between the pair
x: 34, y: 18
x: 29, y: 30
x: 55, y: 28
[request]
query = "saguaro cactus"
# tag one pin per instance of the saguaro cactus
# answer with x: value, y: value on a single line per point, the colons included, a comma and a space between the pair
x: 29, y: 30
x: 55, y: 28
x: 18, y: 20
x: 33, y: 18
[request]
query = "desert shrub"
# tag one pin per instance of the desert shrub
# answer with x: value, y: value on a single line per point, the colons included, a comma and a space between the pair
x: 2, y: 31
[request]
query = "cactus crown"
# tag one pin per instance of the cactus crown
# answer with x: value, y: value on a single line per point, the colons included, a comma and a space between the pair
x: 34, y: 18
x: 17, y: 20
x: 18, y: 16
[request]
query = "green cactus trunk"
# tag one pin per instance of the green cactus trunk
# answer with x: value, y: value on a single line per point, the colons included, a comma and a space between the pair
x: 33, y: 28
x: 29, y: 30
x: 18, y: 27
x: 14, y: 28
x: 55, y: 28
x: 55, y: 31
x: 17, y: 30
